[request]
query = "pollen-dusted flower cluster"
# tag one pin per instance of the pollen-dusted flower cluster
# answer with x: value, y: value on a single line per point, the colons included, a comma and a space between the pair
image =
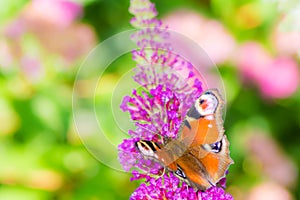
x: 168, y: 89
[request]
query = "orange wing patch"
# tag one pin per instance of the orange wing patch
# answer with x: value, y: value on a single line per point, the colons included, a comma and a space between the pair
x: 202, y: 131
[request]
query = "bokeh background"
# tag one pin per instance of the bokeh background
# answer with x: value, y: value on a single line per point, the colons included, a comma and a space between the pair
x: 254, y: 43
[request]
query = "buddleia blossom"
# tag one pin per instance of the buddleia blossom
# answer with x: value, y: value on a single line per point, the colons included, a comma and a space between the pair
x: 169, y: 187
x: 168, y: 89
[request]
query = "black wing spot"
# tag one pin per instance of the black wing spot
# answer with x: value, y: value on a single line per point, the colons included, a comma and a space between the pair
x: 179, y: 172
x: 194, y: 113
x: 187, y: 124
x: 208, y: 92
x: 216, y: 147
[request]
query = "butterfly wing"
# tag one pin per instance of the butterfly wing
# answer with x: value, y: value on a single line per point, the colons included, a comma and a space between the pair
x: 215, y: 157
x: 201, y: 131
x: 189, y: 169
x: 185, y: 165
x: 203, y: 123
x: 202, y: 167
x: 203, y: 134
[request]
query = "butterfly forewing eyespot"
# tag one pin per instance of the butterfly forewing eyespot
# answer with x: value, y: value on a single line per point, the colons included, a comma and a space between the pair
x: 208, y: 103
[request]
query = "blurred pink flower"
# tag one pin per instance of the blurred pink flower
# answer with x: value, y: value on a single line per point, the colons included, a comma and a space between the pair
x: 276, y: 78
x: 282, y: 79
x: 32, y: 68
x: 286, y: 42
x: 6, y: 58
x: 70, y: 43
x: 276, y: 165
x: 40, y: 14
x: 15, y: 29
x: 52, y: 24
x: 210, y: 34
x: 269, y: 190
x: 253, y: 60
x: 53, y: 12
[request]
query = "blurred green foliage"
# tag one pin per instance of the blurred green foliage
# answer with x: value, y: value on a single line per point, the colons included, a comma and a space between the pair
x: 41, y: 154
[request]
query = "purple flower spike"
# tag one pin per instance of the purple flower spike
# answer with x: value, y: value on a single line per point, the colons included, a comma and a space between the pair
x: 168, y: 89
x: 144, y: 12
x: 169, y: 187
